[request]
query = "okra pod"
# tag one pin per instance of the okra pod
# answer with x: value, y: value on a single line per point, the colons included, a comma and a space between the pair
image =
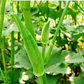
x: 31, y: 47
x: 45, y: 33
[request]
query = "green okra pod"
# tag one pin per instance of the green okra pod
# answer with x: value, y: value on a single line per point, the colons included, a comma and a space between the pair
x: 31, y: 47
x: 45, y: 33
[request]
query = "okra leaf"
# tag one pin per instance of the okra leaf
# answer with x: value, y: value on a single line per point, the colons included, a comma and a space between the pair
x: 14, y: 76
x: 11, y: 28
x: 80, y: 29
x: 56, y: 49
x: 58, y: 61
x: 81, y: 52
x: 53, y: 79
x: 71, y: 57
x: 22, y: 60
x: 43, y: 8
x: 65, y: 57
x: 75, y: 33
x: 58, y: 69
x: 8, y: 8
x: 53, y: 12
x: 6, y: 23
x: 68, y: 28
x: 76, y: 80
x: 79, y: 32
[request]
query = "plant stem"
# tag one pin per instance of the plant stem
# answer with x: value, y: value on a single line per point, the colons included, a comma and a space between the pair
x: 40, y: 79
x: 2, y: 9
x: 45, y: 78
x: 43, y: 55
x: 4, y: 64
x: 47, y: 10
x: 18, y: 36
x: 3, y: 42
x: 59, y: 5
x: 59, y: 20
x: 43, y: 50
x: 25, y: 6
x: 57, y: 31
x: 59, y: 40
x: 18, y: 14
x: 12, y: 49
x: 2, y: 75
x: 17, y: 7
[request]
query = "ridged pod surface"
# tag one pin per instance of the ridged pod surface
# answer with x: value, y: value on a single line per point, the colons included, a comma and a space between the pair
x: 31, y: 47
x: 45, y: 33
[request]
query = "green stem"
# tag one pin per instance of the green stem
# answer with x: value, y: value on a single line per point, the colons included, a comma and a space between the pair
x: 4, y: 63
x: 47, y: 10
x: 57, y: 31
x: 12, y: 49
x: 43, y: 51
x: 18, y: 14
x: 45, y: 78
x: 2, y: 75
x: 2, y: 9
x: 3, y: 42
x: 25, y: 6
x: 59, y: 40
x: 59, y: 5
x: 43, y: 55
x: 40, y: 79
x: 59, y: 20
x: 17, y: 7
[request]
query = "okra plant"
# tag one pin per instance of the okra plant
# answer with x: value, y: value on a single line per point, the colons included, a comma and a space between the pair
x: 31, y: 46
x: 45, y: 37
x: 39, y: 44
